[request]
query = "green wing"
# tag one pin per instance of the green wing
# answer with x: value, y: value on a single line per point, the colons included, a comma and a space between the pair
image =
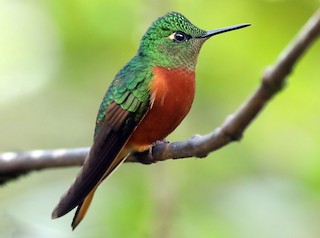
x: 129, y: 90
x: 122, y: 108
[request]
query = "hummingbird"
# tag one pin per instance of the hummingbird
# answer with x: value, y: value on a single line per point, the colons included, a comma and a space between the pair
x: 146, y: 101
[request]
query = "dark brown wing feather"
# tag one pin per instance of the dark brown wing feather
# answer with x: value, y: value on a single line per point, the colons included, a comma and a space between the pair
x: 119, y: 125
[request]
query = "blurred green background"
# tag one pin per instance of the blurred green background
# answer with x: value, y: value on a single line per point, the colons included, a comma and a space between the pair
x: 57, y: 59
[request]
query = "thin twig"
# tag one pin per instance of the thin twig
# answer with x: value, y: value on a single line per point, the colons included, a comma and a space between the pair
x: 13, y: 164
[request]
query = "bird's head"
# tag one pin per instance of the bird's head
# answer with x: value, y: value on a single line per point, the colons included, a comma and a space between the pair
x: 172, y: 41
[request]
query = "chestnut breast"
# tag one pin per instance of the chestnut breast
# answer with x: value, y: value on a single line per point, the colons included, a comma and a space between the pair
x: 172, y: 92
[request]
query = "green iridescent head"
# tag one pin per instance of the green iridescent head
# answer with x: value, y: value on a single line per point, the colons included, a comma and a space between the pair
x: 173, y: 41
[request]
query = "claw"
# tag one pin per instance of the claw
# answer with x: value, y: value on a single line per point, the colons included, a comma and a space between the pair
x: 157, y: 142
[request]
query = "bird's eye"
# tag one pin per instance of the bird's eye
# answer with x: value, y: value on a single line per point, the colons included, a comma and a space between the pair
x: 179, y: 37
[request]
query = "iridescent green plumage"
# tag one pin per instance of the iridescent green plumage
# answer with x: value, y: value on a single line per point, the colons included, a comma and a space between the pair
x: 130, y: 90
x: 166, y: 53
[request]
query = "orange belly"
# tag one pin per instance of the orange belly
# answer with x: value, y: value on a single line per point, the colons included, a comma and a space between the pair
x: 172, y: 92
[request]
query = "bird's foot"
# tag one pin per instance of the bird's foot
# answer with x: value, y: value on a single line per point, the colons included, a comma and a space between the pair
x: 146, y: 157
x: 157, y: 142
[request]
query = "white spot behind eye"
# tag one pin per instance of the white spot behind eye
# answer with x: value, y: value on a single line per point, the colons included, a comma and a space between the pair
x: 171, y: 37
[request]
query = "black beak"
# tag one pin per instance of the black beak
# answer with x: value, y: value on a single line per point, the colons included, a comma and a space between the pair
x: 222, y: 30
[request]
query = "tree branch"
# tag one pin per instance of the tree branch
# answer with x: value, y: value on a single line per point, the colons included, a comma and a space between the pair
x: 13, y: 164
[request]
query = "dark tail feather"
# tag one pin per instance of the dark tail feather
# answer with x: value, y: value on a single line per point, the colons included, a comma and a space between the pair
x: 82, y: 210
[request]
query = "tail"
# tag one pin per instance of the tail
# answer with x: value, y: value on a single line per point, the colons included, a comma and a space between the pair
x: 82, y: 209
x: 73, y: 197
x: 84, y: 206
